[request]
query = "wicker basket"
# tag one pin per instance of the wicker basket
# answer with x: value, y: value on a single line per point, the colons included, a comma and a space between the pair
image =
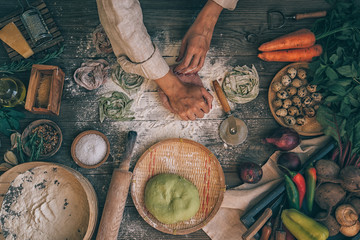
x: 190, y: 160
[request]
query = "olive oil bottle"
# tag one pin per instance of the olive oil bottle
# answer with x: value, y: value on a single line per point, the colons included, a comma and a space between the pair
x: 12, y: 92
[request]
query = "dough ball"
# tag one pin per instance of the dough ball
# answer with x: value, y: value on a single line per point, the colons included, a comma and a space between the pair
x: 171, y: 198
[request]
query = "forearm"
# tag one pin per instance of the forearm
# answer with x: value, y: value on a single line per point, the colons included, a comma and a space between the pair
x: 132, y: 45
x: 207, y: 18
x: 122, y: 21
x: 170, y: 84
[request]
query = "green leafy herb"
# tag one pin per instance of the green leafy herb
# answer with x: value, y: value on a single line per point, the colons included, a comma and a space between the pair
x: 116, y: 107
x: 26, y: 64
x: 127, y: 81
x: 34, y: 144
x: 337, y: 73
x: 9, y: 120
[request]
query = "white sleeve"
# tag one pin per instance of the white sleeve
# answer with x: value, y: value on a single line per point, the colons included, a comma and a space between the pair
x: 123, y: 24
x: 228, y: 4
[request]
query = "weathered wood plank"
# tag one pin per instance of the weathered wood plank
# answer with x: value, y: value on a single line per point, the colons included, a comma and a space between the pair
x: 167, y: 22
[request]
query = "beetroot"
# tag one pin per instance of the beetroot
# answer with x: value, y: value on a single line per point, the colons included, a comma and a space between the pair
x: 250, y: 172
x: 284, y: 139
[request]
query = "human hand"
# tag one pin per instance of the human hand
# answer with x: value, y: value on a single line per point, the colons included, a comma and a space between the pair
x: 189, y: 101
x: 196, y: 42
x: 193, y: 50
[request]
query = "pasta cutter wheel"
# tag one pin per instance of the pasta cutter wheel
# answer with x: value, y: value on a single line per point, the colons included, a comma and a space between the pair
x: 232, y: 131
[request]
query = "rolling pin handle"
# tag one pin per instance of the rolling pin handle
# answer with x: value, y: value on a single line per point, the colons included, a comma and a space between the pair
x: 221, y: 96
x: 257, y: 225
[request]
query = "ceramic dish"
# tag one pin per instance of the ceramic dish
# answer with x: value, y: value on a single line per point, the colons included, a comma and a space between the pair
x: 311, y: 127
x: 190, y: 160
x: 77, y: 139
x: 28, y: 130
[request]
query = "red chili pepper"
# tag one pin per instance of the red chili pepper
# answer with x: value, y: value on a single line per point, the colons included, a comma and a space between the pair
x: 299, y: 181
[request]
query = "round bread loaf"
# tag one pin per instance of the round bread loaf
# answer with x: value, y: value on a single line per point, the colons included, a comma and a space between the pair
x: 171, y: 198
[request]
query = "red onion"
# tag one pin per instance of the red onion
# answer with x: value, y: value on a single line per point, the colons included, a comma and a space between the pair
x: 284, y: 139
x: 289, y: 160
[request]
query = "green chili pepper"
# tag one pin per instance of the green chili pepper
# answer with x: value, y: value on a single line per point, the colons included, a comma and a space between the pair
x: 310, y: 175
x: 299, y: 181
x: 302, y: 226
x: 292, y: 193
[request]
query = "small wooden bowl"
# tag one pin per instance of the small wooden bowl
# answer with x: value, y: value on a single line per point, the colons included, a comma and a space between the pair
x: 35, y: 124
x: 77, y: 139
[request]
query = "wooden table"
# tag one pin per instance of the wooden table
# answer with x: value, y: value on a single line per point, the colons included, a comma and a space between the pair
x: 236, y: 37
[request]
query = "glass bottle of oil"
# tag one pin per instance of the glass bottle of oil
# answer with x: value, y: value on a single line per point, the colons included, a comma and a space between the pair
x: 12, y: 91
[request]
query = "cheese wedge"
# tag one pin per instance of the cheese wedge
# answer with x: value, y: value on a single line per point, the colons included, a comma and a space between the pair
x: 12, y: 36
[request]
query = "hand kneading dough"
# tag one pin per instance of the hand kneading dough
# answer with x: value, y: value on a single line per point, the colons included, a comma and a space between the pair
x: 171, y: 198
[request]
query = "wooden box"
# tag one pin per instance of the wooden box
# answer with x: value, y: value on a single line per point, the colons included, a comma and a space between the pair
x: 45, y: 89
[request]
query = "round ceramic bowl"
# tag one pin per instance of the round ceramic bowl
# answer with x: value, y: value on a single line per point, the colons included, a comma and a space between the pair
x: 25, y: 136
x: 77, y: 139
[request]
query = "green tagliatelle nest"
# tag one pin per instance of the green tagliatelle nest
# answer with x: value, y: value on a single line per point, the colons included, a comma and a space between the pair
x: 116, y: 107
x: 241, y: 85
x: 127, y: 81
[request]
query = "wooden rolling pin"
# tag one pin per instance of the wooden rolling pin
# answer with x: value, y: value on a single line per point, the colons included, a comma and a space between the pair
x: 117, y: 194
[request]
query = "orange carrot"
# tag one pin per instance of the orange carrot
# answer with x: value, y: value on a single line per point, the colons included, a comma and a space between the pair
x: 299, y: 39
x: 292, y: 55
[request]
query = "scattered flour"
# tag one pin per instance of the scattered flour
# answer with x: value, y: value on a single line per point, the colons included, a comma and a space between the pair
x: 152, y: 121
x: 48, y: 199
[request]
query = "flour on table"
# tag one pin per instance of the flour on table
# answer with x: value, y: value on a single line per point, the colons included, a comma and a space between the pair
x: 152, y: 121
x: 45, y: 202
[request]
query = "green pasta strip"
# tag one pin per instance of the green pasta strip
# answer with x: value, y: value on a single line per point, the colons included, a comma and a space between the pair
x: 116, y: 107
x: 127, y: 81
